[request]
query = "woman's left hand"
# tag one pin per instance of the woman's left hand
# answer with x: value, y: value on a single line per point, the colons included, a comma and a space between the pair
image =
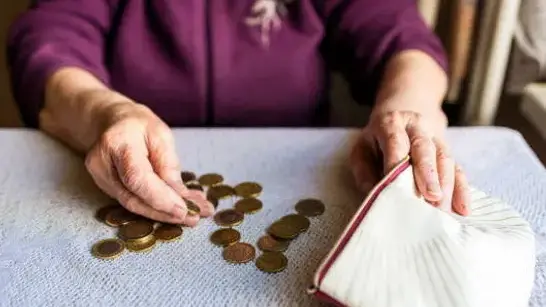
x: 391, y: 136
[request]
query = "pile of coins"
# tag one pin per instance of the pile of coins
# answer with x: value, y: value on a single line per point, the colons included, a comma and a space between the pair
x: 135, y: 233
x: 227, y: 237
x: 282, y: 232
x: 138, y: 234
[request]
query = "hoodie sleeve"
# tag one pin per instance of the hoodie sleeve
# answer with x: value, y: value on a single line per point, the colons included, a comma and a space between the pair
x: 365, y: 34
x: 50, y: 35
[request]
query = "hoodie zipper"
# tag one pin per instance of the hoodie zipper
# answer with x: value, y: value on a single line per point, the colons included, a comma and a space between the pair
x: 209, y: 69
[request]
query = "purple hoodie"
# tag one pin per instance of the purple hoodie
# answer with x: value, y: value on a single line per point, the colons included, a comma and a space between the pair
x: 213, y: 62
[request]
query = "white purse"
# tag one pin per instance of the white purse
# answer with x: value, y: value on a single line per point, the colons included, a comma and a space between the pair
x: 400, y: 251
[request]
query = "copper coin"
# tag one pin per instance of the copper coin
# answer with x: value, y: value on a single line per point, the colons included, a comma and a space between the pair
x: 136, y: 230
x: 248, y: 189
x: 283, y: 230
x: 193, y: 209
x: 310, y: 207
x: 225, y: 237
x: 108, y: 249
x: 187, y: 176
x: 141, y: 246
x: 269, y: 244
x: 194, y: 186
x: 228, y: 218
x: 271, y: 262
x: 103, y: 212
x: 248, y: 205
x: 213, y: 201
x: 168, y: 232
x: 298, y: 221
x: 120, y: 216
x: 239, y: 253
x: 221, y: 191
x: 211, y: 179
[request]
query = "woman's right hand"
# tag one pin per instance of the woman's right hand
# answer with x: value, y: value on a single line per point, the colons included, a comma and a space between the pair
x: 135, y: 162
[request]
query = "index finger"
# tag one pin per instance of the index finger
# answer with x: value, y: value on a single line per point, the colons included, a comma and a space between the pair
x: 393, y: 141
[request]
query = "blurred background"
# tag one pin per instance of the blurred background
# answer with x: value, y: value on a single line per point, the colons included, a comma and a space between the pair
x: 497, y: 52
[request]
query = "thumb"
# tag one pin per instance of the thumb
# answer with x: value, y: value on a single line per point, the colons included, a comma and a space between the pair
x: 366, y: 171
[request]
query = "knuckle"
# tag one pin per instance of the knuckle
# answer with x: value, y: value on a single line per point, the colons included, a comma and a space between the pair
x: 421, y: 143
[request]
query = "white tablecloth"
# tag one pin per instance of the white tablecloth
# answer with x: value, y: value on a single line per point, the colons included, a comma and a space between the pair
x: 47, y: 204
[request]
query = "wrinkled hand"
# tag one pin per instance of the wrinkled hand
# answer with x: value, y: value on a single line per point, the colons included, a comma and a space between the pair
x: 135, y: 162
x: 390, y: 137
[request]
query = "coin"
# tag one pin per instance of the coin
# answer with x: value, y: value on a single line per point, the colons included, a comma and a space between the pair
x: 310, y: 207
x: 283, y: 230
x: 213, y: 201
x: 194, y: 186
x: 211, y: 179
x: 103, y: 212
x: 228, y: 217
x: 136, y: 230
x: 221, y: 191
x: 141, y: 246
x: 108, y: 249
x: 271, y: 262
x: 168, y: 232
x: 193, y: 209
x: 248, y: 205
x: 248, y: 189
x: 225, y: 237
x: 299, y: 221
x: 269, y: 244
x: 187, y: 176
x: 120, y: 216
x: 239, y: 253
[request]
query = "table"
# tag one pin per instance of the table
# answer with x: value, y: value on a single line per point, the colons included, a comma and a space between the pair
x: 47, y: 203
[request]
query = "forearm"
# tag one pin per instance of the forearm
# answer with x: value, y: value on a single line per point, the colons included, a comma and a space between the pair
x: 75, y: 106
x: 413, y: 81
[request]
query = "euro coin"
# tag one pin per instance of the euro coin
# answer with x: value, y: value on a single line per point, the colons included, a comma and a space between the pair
x: 187, y: 176
x: 310, y: 207
x: 248, y: 205
x: 103, y: 212
x: 248, y: 189
x: 283, y: 230
x: 141, y: 245
x: 228, y: 218
x: 213, y: 201
x: 271, y: 262
x: 136, y: 230
x: 239, y: 253
x: 299, y: 221
x: 120, y: 216
x: 194, y: 186
x: 193, y: 209
x: 210, y: 179
x: 221, y: 191
x: 108, y: 249
x: 168, y: 232
x: 225, y: 237
x: 269, y: 244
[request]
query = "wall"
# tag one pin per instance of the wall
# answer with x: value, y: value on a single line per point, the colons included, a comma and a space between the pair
x: 9, y: 117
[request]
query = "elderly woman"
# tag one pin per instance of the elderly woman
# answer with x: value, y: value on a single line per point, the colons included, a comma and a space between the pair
x: 109, y: 77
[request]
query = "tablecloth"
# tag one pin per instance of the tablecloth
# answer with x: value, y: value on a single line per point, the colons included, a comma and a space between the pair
x: 47, y: 225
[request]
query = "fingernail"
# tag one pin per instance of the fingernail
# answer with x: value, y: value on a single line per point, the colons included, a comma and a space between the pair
x: 178, y: 211
x: 434, y: 189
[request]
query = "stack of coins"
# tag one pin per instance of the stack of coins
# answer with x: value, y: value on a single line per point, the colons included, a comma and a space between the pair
x: 135, y: 233
x: 282, y: 232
